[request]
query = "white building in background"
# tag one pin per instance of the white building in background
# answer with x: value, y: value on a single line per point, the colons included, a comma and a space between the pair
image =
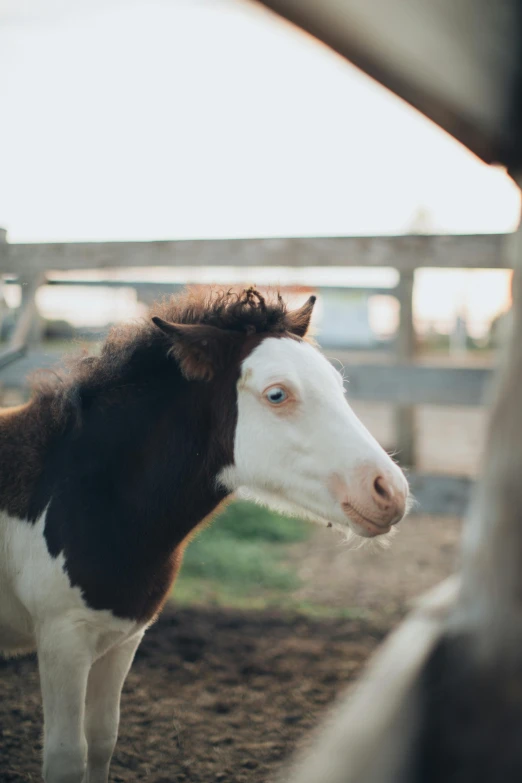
x: 344, y: 318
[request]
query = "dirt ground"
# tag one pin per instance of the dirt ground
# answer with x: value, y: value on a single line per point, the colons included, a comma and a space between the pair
x: 212, y: 696
x: 373, y: 581
x: 226, y: 695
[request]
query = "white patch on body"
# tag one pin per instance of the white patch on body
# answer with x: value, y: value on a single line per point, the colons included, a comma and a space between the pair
x: 309, y: 455
x: 35, y: 589
x: 83, y: 654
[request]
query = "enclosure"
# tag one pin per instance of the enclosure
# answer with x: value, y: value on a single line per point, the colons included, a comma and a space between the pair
x: 271, y: 619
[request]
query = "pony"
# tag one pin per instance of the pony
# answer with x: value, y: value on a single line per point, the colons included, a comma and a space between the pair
x: 114, y: 462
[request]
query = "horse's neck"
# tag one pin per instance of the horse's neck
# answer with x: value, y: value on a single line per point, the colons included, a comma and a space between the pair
x: 153, y: 448
x: 170, y: 469
x: 142, y: 456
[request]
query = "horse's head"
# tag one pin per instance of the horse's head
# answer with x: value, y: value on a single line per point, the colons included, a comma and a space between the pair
x: 297, y: 445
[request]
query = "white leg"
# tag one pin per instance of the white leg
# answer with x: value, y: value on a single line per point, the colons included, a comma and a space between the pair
x: 102, y: 714
x: 64, y: 660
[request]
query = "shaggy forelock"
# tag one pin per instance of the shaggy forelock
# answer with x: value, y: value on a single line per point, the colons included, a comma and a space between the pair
x: 241, y: 311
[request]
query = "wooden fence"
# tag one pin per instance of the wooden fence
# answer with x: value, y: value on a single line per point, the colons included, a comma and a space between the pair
x: 404, y: 383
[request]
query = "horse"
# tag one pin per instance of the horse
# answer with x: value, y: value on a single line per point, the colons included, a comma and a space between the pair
x: 115, y: 461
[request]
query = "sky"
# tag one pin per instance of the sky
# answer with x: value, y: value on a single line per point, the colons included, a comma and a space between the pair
x: 213, y: 118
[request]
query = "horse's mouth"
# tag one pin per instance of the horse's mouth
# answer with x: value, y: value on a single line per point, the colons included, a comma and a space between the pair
x: 370, y: 526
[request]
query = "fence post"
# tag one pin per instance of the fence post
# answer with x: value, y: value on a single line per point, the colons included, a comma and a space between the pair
x: 3, y: 265
x: 28, y: 311
x: 3, y: 250
x: 405, y: 346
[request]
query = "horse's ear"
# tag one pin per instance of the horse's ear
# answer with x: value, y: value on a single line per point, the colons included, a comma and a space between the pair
x: 200, y: 350
x: 299, y: 320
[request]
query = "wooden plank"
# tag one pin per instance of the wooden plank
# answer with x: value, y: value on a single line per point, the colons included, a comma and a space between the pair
x: 165, y: 287
x: 457, y: 62
x: 418, y: 384
x: 435, y: 494
x: 25, y: 324
x: 17, y: 374
x: 406, y: 384
x: 30, y: 323
x: 4, y: 249
x: 403, y: 252
x: 405, y: 346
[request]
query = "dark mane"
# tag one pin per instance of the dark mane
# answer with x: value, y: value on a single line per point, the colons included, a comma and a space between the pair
x: 241, y: 311
x: 133, y: 349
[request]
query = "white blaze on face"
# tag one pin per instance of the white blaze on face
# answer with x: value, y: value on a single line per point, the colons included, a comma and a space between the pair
x: 300, y: 448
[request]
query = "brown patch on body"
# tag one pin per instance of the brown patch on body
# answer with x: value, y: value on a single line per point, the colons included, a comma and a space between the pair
x: 25, y: 432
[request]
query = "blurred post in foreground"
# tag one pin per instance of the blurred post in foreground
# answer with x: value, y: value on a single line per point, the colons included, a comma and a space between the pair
x: 442, y: 699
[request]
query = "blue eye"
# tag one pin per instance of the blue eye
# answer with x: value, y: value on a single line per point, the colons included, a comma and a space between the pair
x: 276, y: 395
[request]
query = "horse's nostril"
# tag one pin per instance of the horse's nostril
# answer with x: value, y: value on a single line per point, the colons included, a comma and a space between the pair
x: 382, y: 488
x: 389, y: 499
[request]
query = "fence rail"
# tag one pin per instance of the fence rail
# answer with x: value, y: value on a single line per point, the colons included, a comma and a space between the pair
x: 405, y: 253
x: 411, y: 384
x: 404, y: 383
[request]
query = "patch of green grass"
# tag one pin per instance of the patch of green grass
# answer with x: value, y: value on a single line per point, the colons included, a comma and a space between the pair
x: 238, y: 563
x: 242, y: 561
x: 247, y: 521
x: 240, y: 558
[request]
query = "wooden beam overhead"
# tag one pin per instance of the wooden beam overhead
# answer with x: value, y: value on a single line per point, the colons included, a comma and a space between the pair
x: 459, y: 63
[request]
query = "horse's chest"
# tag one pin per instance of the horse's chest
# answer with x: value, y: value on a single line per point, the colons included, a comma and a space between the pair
x: 34, y: 587
x: 20, y: 562
x: 16, y: 627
